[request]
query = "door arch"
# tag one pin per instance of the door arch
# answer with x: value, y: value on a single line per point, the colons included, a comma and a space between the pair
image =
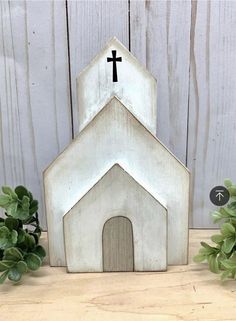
x: 117, y: 245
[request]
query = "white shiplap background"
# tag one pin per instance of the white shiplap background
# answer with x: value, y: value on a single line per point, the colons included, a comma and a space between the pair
x: 190, y: 47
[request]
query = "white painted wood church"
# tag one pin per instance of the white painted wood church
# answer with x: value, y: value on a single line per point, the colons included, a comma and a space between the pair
x: 116, y: 198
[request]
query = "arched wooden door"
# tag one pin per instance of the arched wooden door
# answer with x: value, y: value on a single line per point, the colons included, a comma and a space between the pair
x: 118, y: 248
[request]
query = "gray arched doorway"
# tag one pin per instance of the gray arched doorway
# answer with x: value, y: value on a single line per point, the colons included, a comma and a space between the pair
x: 117, y: 245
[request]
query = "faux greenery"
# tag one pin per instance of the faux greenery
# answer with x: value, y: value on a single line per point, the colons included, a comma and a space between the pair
x: 221, y: 257
x: 19, y: 234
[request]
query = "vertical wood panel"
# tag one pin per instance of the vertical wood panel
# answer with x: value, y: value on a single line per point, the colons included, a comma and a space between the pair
x: 35, y: 121
x: 118, y: 247
x: 212, y: 117
x: 91, y: 25
x: 160, y: 39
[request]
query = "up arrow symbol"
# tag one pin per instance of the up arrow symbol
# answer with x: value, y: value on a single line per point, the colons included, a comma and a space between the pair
x: 219, y: 194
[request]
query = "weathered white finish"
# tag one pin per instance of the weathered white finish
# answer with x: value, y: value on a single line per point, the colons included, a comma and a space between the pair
x: 136, y: 87
x: 116, y: 136
x: 160, y: 39
x: 91, y: 25
x: 116, y: 194
x: 212, y: 114
x: 35, y: 122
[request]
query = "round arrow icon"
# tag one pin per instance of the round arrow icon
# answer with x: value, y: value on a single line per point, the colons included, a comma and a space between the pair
x: 219, y: 195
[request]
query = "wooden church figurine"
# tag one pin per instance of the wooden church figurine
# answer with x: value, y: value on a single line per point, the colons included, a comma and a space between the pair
x: 117, y: 199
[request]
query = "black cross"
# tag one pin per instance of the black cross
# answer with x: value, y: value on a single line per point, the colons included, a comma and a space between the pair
x: 114, y: 59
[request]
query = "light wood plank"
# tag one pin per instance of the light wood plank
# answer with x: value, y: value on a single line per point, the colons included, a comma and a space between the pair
x: 212, y: 139
x: 35, y: 122
x: 187, y: 293
x: 91, y: 25
x: 160, y: 38
x: 116, y: 136
x: 118, y: 246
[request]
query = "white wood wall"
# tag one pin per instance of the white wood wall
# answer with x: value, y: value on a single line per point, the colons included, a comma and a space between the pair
x: 190, y: 47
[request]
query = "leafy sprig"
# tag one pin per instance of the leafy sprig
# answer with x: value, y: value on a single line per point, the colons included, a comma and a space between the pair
x: 19, y: 234
x: 221, y: 257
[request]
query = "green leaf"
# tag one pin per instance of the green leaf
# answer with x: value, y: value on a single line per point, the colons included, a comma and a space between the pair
x: 228, y: 244
x: 208, y: 249
x: 7, y: 238
x: 227, y: 182
x: 233, y: 258
x: 225, y: 275
x: 199, y: 258
x: 14, y: 275
x: 11, y: 223
x: 4, y: 200
x: 230, y: 211
x: 232, y: 190
x: 30, y: 196
x: 21, y: 267
x: 30, y: 241
x: 213, y: 264
x: 33, y: 261
x: 14, y: 236
x: 227, y: 230
x: 21, y: 191
x: 13, y: 254
x: 223, y: 213
x: 40, y: 251
x: 33, y: 207
x: 4, y: 276
x: 4, y: 236
x: 22, y: 214
x: 36, y: 237
x: 21, y: 236
x: 204, y: 251
x: 217, y: 238
x: 25, y: 203
x: 29, y: 220
x: 12, y: 209
x: 216, y: 216
x: 7, y: 190
x: 6, y: 265
x: 228, y: 264
x: 232, y: 206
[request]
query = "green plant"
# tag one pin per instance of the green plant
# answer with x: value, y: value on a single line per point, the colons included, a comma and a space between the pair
x: 19, y: 234
x: 221, y: 257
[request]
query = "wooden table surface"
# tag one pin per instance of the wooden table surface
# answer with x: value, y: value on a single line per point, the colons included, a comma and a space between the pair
x: 183, y: 293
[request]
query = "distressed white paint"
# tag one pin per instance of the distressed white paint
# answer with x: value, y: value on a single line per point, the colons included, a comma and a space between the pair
x: 136, y: 87
x: 116, y: 194
x: 116, y: 136
x: 35, y: 122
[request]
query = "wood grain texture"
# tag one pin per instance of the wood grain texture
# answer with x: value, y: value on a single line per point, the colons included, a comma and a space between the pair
x: 160, y: 39
x: 187, y: 293
x: 116, y: 136
x: 118, y: 246
x: 117, y: 193
x: 212, y: 114
x: 35, y: 122
x: 91, y: 25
